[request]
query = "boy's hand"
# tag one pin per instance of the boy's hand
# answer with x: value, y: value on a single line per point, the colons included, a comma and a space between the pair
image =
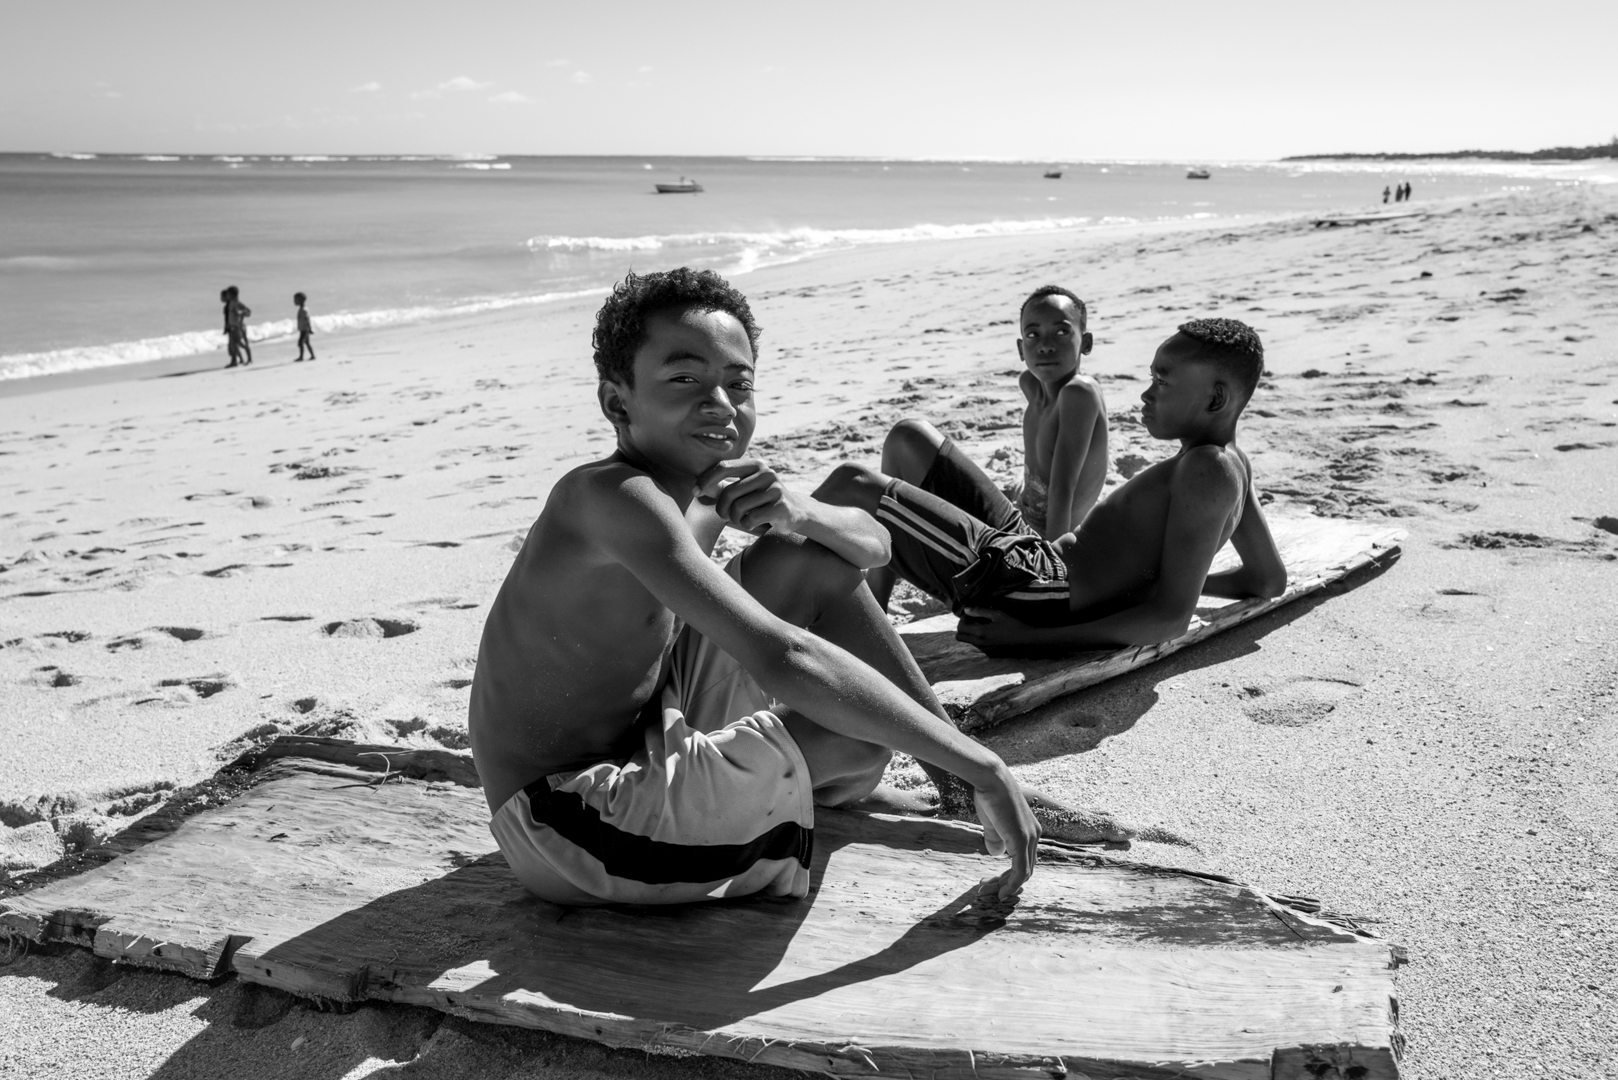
x: 749, y: 496
x: 1009, y: 828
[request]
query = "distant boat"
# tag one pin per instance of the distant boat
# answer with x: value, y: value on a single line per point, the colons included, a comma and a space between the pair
x: 684, y: 187
x: 1197, y: 174
x: 1053, y: 174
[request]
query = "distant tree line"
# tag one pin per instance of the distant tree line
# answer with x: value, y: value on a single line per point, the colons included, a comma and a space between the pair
x: 1607, y: 149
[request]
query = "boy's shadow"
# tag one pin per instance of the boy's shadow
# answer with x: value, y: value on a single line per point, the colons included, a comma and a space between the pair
x: 475, y: 939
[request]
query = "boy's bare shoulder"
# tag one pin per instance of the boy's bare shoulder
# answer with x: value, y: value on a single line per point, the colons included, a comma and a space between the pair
x: 1081, y: 393
x: 1029, y: 385
x: 610, y: 487
x: 1209, y: 471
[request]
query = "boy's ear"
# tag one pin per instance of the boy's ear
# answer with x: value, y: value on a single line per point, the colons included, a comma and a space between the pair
x: 613, y: 407
x: 1086, y: 342
x: 1020, y: 356
x: 1219, y: 398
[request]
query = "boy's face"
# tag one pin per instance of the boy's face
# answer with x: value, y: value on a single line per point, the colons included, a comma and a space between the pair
x: 1184, y: 388
x: 1051, y: 341
x: 692, y: 403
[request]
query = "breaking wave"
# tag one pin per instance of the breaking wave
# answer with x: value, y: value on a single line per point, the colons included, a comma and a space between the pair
x: 750, y: 250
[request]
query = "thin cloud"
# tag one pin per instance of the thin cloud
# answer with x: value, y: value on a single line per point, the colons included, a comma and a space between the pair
x: 462, y: 82
x: 558, y: 63
x: 581, y: 77
x: 365, y: 88
x: 511, y: 97
x: 644, y: 69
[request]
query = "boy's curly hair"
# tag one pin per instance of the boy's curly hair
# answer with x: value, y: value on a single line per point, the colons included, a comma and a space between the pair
x: 1233, y: 347
x: 1057, y: 290
x: 621, y: 322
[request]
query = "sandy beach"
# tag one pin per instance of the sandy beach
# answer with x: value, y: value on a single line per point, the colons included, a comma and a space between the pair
x: 195, y: 560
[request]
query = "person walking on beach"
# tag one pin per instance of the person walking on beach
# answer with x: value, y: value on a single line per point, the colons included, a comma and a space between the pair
x: 236, y: 314
x: 231, y: 349
x: 1386, y: 193
x: 305, y: 328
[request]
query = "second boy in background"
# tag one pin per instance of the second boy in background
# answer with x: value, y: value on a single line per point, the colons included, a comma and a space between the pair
x: 1064, y: 437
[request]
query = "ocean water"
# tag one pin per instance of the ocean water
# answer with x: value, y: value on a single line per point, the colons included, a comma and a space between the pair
x: 117, y: 259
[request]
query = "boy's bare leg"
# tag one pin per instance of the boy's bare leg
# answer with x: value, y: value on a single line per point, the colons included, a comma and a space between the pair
x: 908, y: 454
x: 808, y: 586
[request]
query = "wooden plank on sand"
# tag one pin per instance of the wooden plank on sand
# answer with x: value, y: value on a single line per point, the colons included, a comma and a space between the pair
x: 324, y: 882
x: 981, y: 691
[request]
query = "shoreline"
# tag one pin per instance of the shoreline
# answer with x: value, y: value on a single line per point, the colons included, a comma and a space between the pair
x: 1430, y: 748
x: 200, y: 363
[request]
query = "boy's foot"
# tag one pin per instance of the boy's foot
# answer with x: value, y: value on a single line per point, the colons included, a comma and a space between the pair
x: 887, y: 799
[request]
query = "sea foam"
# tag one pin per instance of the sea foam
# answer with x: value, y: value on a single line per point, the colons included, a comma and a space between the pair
x: 197, y: 342
x: 804, y: 240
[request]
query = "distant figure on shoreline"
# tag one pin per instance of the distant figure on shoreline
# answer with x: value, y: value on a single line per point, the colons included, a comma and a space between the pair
x: 1387, y: 193
x: 1407, y: 191
x: 305, y: 329
x: 230, y: 338
x: 236, y: 314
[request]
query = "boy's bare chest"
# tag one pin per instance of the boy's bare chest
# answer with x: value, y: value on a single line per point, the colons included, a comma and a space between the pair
x: 1039, y: 430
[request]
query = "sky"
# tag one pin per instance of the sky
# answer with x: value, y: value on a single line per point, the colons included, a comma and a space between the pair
x: 1056, y: 80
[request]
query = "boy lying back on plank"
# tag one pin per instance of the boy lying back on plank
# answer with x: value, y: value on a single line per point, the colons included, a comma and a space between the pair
x: 651, y: 728
x: 1131, y: 573
x: 1064, y: 431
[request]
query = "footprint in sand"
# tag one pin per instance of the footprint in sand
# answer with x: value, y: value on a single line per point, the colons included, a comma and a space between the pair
x: 53, y: 677
x: 191, y: 689
x: 1298, y: 702
x: 370, y: 628
x: 156, y: 635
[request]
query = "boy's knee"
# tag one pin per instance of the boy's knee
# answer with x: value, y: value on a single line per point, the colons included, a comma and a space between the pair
x: 853, y: 485
x: 910, y: 448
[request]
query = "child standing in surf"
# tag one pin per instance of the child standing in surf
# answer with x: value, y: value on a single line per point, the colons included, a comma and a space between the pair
x: 305, y: 329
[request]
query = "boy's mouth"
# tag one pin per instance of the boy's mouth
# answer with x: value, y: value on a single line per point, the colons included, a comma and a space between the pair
x: 717, y: 438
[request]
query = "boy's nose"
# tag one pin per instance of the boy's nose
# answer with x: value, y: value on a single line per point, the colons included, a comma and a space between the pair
x: 719, y: 402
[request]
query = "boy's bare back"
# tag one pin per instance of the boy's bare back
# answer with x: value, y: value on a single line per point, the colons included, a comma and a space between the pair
x: 574, y: 645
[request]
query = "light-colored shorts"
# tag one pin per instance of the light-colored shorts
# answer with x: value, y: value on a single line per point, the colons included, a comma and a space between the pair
x: 718, y: 803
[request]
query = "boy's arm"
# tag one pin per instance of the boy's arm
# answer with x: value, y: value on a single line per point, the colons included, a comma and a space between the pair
x: 1202, y: 493
x: 1262, y: 573
x: 1079, y: 409
x: 754, y: 497
x: 639, y: 526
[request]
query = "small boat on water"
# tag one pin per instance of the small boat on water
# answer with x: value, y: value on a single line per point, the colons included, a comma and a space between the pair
x: 684, y: 187
x: 1197, y: 174
x: 1053, y: 174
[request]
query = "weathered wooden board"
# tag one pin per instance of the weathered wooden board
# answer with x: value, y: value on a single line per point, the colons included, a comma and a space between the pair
x: 309, y: 841
x: 320, y: 881
x: 981, y: 691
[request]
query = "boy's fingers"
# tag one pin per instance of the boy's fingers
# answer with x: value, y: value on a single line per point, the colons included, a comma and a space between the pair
x: 744, y: 494
x: 708, y: 483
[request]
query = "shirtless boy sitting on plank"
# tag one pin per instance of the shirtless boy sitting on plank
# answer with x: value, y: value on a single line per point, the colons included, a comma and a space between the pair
x: 1064, y: 431
x: 1131, y: 573
x: 652, y: 728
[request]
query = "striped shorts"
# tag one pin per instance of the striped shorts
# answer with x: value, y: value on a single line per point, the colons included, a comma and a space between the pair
x: 946, y: 552
x: 717, y: 803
